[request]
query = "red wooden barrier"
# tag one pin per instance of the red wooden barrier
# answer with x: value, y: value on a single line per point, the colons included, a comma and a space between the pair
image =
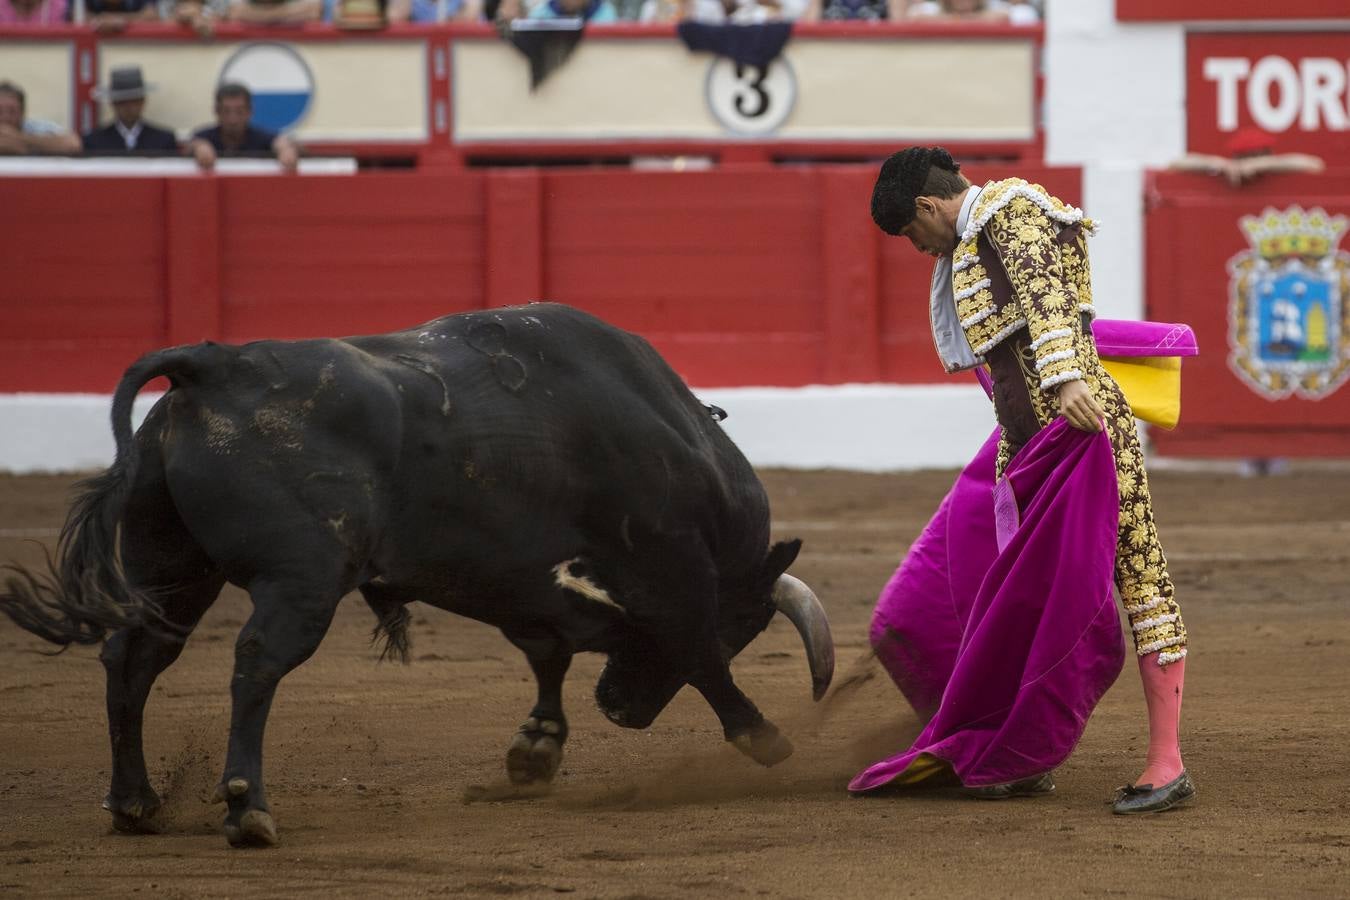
x: 1204, y: 270
x: 745, y: 276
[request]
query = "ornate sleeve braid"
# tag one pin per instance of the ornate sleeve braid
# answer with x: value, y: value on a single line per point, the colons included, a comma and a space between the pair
x: 1024, y: 238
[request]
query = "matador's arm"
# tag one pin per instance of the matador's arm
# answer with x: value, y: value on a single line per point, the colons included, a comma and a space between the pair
x: 1025, y: 240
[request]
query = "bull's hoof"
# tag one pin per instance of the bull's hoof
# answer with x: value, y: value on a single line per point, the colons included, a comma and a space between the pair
x: 134, y: 815
x: 764, y: 744
x: 255, y: 828
x: 535, y: 752
x: 247, y: 827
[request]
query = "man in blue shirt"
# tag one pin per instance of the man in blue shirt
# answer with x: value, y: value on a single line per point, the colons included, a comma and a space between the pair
x: 234, y: 136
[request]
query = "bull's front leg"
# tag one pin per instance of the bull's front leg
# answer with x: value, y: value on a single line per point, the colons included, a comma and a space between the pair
x: 535, y: 752
x: 742, y: 723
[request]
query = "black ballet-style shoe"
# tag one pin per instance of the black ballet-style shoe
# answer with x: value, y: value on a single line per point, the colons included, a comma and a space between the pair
x: 1144, y: 798
x: 1035, y: 786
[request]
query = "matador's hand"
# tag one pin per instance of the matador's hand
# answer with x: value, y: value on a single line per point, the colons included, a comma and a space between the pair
x: 1077, y: 404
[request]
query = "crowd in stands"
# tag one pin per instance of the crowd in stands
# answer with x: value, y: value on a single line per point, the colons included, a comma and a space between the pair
x: 131, y: 134
x: 128, y: 133
x: 114, y: 15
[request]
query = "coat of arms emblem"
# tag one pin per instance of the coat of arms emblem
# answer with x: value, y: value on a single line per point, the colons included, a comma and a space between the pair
x: 1288, y: 319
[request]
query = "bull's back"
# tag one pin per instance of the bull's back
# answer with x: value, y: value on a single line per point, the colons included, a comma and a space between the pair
x: 546, y: 426
x: 550, y: 367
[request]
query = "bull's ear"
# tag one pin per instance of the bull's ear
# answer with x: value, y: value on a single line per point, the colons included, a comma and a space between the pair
x: 781, y: 556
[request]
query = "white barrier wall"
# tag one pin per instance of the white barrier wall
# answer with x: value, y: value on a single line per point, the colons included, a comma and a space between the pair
x: 1115, y: 105
x: 870, y: 427
x: 59, y: 432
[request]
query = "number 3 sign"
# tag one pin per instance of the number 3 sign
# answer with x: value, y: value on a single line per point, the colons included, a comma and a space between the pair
x: 750, y: 100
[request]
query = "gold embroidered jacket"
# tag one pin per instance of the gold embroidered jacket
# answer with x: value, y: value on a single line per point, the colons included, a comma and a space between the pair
x: 1022, y: 263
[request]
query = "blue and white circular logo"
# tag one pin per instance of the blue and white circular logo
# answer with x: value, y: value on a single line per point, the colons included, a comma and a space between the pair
x: 281, y: 83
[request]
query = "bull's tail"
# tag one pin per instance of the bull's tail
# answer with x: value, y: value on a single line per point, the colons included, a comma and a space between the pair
x: 392, y: 629
x: 84, y: 593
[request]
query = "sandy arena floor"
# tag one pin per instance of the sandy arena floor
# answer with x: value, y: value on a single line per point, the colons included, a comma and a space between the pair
x: 369, y: 766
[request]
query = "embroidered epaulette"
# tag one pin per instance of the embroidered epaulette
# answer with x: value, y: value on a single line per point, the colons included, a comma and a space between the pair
x: 998, y: 194
x: 987, y: 321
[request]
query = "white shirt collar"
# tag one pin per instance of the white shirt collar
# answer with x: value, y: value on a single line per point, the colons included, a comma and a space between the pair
x: 949, y: 338
x: 130, y: 135
x: 967, y: 206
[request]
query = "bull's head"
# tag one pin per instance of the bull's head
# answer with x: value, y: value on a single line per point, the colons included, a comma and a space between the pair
x: 636, y: 684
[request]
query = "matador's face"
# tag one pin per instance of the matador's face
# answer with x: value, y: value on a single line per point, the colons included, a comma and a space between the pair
x: 930, y: 232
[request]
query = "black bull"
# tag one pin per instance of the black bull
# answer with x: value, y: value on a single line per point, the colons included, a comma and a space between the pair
x: 532, y: 468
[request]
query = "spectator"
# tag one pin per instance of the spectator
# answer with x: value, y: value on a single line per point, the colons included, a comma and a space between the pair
x: 856, y: 10
x: 22, y: 136
x: 428, y: 11
x: 1015, y: 13
x: 108, y: 16
x: 660, y: 11
x: 735, y: 12
x: 234, y: 136
x: 201, y: 15
x: 594, y: 12
x: 128, y: 133
x: 358, y: 15
x: 33, y: 12
x: 275, y: 12
x: 1251, y: 153
x: 503, y: 11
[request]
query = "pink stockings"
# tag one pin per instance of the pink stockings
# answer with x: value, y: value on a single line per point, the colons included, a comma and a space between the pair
x: 1162, y: 693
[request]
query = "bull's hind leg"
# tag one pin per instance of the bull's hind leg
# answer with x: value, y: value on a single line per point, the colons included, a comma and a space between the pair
x: 536, y: 749
x: 161, y: 557
x: 133, y: 659
x: 288, y: 622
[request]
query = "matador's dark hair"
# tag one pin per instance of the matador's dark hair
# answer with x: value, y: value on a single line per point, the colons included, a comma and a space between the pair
x: 908, y: 174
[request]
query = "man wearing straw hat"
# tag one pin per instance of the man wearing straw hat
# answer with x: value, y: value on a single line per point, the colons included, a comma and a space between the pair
x: 128, y: 134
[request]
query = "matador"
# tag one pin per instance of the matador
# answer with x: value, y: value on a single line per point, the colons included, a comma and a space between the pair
x: 1011, y: 295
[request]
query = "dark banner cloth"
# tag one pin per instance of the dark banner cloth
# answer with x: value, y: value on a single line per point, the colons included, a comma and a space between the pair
x: 752, y: 45
x: 546, y: 43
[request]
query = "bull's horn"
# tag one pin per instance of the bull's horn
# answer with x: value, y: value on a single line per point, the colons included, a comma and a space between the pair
x: 800, y: 604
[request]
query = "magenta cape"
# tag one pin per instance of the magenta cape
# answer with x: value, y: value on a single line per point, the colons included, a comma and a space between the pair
x: 1000, y: 626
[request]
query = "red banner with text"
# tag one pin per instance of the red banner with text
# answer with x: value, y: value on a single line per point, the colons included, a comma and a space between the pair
x: 1295, y: 87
